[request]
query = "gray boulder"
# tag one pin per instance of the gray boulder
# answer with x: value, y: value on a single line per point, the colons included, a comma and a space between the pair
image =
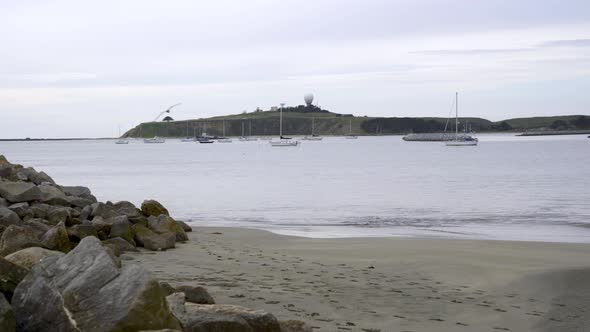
x: 165, y: 224
x: 104, y: 210
x: 119, y: 245
x: 57, y: 238
x: 7, y: 320
x: 294, y: 326
x: 8, y: 217
x: 10, y: 276
x: 130, y: 211
x: 41, y: 210
x: 142, y: 233
x: 30, y: 256
x: 78, y: 232
x: 78, y: 201
x: 16, y: 192
x: 59, y: 214
x: 122, y: 229
x: 3, y: 202
x: 86, y: 291
x: 52, y: 195
x: 86, y: 213
x: 152, y: 207
x: 23, y: 210
x: 38, y: 226
x: 15, y: 238
x: 30, y: 174
x: 217, y: 317
x: 184, y: 226
x: 196, y: 294
x: 160, y: 242
x: 78, y: 191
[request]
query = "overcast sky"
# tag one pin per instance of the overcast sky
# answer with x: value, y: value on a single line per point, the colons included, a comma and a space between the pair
x: 73, y: 68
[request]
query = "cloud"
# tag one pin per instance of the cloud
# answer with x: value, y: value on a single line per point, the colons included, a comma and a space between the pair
x: 567, y: 43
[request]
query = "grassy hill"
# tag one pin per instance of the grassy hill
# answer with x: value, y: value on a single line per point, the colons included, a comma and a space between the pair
x: 298, y: 121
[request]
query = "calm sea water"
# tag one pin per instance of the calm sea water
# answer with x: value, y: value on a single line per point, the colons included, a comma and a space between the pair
x: 511, y: 188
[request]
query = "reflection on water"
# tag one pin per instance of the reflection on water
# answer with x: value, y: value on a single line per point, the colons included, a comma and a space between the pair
x: 522, y: 188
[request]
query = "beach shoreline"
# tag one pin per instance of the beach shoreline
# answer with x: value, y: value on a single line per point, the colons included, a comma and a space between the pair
x: 386, y: 284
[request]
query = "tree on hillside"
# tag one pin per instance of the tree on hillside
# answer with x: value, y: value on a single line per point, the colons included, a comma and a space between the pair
x: 581, y: 122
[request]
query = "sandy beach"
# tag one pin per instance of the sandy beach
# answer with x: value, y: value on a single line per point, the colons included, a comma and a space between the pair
x: 387, y: 284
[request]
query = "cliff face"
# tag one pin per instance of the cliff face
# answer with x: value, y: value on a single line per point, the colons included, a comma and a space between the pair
x: 299, y: 122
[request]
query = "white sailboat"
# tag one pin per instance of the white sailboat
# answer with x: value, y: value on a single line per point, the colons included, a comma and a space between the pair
x: 121, y: 140
x: 249, y: 137
x: 224, y: 139
x: 313, y: 137
x: 283, y: 141
x: 350, y: 135
x: 464, y: 140
x: 188, y: 138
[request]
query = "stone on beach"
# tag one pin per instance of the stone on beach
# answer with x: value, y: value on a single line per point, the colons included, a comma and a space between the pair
x: 28, y: 257
x: 52, y: 195
x: 119, y: 245
x: 57, y: 238
x: 10, y: 276
x: 294, y: 326
x: 59, y: 214
x: 122, y: 228
x: 160, y: 242
x: 78, y: 232
x: 8, y: 217
x: 23, y: 210
x: 152, y: 207
x: 15, y: 238
x: 7, y: 320
x: 86, y: 291
x: 16, y: 192
x: 197, y: 294
x: 165, y: 224
x: 184, y: 226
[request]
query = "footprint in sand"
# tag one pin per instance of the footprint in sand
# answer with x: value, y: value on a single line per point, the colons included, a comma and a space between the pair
x: 462, y: 324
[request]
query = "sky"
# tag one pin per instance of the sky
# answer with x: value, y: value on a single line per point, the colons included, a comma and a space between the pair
x: 72, y: 68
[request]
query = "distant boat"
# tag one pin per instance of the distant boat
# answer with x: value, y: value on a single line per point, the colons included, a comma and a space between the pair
x: 350, y: 135
x: 204, y: 140
x: 248, y: 138
x: 460, y: 140
x: 188, y: 138
x: 154, y: 140
x: 313, y: 137
x: 224, y: 139
x: 121, y: 140
x: 283, y: 141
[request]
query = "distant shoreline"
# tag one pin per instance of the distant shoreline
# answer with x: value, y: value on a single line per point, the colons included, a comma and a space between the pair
x: 51, y: 139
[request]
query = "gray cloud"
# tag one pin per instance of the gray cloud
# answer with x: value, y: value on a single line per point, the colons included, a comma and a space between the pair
x: 567, y: 43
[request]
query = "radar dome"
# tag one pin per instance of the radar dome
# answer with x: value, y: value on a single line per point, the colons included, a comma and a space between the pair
x: 308, y: 99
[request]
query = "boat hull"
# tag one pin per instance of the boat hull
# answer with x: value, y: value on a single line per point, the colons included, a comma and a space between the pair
x: 284, y: 143
x: 461, y: 143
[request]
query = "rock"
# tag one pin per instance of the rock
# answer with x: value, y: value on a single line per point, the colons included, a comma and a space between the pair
x: 57, y: 239
x: 130, y: 211
x: 217, y: 317
x: 23, y: 210
x: 103, y: 210
x: 86, y: 291
x: 30, y: 174
x: 120, y: 245
x: 10, y: 276
x: 57, y: 215
x: 8, y: 217
x: 196, y: 294
x: 16, y: 192
x: 15, y: 238
x: 165, y: 224
x: 52, y: 195
x: 167, y: 288
x: 160, y: 242
x: 142, y: 233
x: 122, y: 229
x: 294, y: 326
x: 164, y: 330
x: 86, y: 212
x: 152, y: 207
x: 184, y: 226
x: 7, y: 320
x: 78, y: 201
x: 30, y: 256
x: 41, y: 210
x: 3, y: 202
x: 78, y: 191
x: 38, y: 226
x: 78, y: 232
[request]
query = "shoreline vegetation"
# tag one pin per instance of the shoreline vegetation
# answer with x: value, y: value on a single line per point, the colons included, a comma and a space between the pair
x: 299, y: 122
x: 64, y: 265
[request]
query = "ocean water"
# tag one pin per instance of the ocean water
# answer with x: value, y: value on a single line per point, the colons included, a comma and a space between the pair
x: 507, y: 188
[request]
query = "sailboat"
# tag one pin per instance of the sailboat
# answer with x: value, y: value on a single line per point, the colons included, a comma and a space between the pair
x: 350, y: 135
x: 463, y: 140
x: 188, y: 138
x: 121, y: 140
x: 204, y: 138
x: 224, y: 139
x: 313, y: 137
x: 283, y: 141
x: 249, y: 137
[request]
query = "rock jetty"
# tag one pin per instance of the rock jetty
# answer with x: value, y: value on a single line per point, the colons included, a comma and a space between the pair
x: 432, y: 137
x: 60, y: 268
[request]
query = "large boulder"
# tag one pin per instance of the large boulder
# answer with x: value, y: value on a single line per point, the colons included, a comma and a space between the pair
x: 86, y: 291
x: 218, y: 317
x: 41, y: 210
x: 57, y: 238
x: 78, y: 201
x: 122, y: 229
x: 104, y: 210
x: 78, y: 232
x: 59, y: 214
x: 30, y: 256
x: 38, y: 226
x: 152, y: 207
x: 3, y: 202
x: 30, y: 174
x: 196, y: 294
x: 7, y: 320
x: 52, y: 195
x: 10, y: 276
x: 160, y: 242
x: 130, y: 211
x: 15, y: 238
x: 16, y: 192
x: 141, y: 234
x: 78, y: 191
x: 165, y: 224
x: 119, y: 245
x: 184, y: 226
x: 8, y: 217
x: 294, y: 326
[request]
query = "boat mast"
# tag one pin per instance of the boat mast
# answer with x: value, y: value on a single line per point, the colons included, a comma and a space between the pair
x: 350, y: 126
x: 312, y: 125
x: 281, y: 121
x: 249, y: 127
x: 186, y: 128
x: 243, y: 128
x: 224, y: 128
x: 456, y: 115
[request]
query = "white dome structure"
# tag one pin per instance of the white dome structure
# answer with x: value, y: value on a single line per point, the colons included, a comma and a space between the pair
x: 308, y: 99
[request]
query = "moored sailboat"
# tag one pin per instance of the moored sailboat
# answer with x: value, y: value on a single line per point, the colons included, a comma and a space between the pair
x: 283, y: 141
x: 460, y: 140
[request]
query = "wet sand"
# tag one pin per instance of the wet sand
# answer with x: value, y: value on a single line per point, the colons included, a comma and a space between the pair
x: 387, y: 284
